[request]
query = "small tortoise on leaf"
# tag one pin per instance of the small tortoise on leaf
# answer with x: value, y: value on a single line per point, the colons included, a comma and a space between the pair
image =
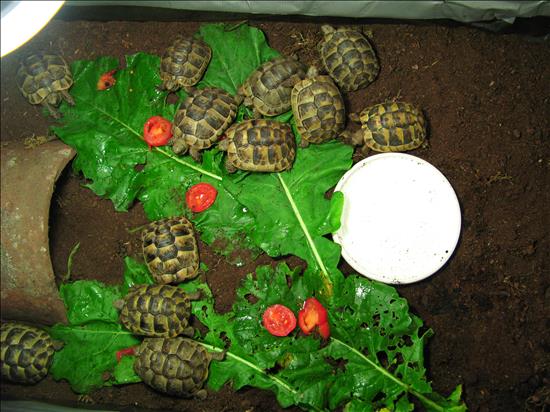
x: 388, y: 127
x: 157, y: 310
x: 27, y: 352
x: 348, y: 57
x: 259, y: 145
x: 268, y: 88
x: 175, y: 366
x: 318, y: 109
x: 184, y: 63
x: 170, y: 250
x: 201, y: 120
x: 45, y: 79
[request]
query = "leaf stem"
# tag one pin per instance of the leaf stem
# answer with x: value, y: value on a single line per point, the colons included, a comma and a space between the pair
x: 183, y: 162
x: 67, y: 276
x: 388, y: 375
x: 312, y: 246
x: 278, y: 381
x: 165, y: 153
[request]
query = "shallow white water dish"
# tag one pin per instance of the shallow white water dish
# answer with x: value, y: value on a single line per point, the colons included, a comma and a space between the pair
x: 401, y: 219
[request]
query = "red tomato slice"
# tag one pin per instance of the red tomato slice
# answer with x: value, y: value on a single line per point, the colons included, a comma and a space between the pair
x: 313, y: 314
x: 106, y: 80
x: 324, y: 330
x: 125, y: 352
x: 279, y: 320
x: 200, y: 197
x: 157, y: 131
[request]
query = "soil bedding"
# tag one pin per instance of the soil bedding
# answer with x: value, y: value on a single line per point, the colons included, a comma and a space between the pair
x: 487, y: 102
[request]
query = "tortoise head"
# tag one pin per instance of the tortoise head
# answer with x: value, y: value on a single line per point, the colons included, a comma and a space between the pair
x: 118, y: 304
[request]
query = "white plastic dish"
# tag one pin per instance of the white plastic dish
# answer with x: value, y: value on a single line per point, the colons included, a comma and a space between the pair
x: 401, y: 219
x: 21, y: 20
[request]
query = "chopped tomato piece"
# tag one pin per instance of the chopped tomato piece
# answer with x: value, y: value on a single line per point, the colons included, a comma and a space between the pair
x: 324, y: 330
x: 157, y: 131
x: 314, y: 315
x: 125, y: 352
x: 106, y: 80
x: 200, y: 197
x: 279, y: 320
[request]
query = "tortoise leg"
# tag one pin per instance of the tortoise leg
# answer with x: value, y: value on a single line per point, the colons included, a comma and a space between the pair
x: 53, y: 111
x: 364, y: 150
x: 196, y: 295
x: 256, y: 113
x: 354, y: 117
x: 229, y: 166
x: 353, y: 138
x: 190, y: 90
x: 201, y: 394
x: 196, y: 155
x: 189, y: 331
x: 304, y: 143
x: 68, y: 98
x: 217, y: 355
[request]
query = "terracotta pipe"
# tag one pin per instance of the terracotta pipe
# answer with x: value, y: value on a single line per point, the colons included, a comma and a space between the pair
x: 28, y: 176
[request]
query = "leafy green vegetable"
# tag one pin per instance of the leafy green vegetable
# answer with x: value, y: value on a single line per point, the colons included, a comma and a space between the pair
x: 375, y: 349
x: 290, y: 208
x: 89, y: 354
x: 84, y: 303
x: 235, y: 54
x: 93, y: 334
x: 374, y: 358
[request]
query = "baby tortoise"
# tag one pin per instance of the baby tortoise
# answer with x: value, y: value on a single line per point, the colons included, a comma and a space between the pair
x: 157, y: 310
x: 27, y: 352
x: 201, y: 119
x: 348, y: 57
x: 184, y: 63
x: 170, y: 250
x: 175, y: 366
x: 259, y: 145
x: 45, y: 79
x: 388, y: 127
x: 267, y: 89
x: 318, y: 108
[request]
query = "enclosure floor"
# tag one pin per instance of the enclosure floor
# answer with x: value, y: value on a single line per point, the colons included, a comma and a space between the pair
x: 486, y: 97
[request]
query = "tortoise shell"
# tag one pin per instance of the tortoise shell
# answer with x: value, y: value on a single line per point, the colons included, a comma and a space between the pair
x: 348, y: 57
x: 184, y: 63
x: 45, y: 79
x: 393, y: 127
x: 201, y: 119
x: 174, y: 366
x: 27, y: 352
x: 259, y: 145
x: 170, y: 250
x: 268, y: 88
x: 318, y: 109
x: 157, y: 310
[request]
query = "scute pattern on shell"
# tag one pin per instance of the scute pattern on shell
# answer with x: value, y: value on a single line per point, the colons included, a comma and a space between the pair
x: 184, y: 63
x: 318, y: 109
x: 393, y: 127
x: 349, y: 58
x: 156, y: 310
x: 201, y: 119
x: 27, y: 352
x: 268, y: 88
x: 261, y: 145
x: 170, y: 250
x: 175, y: 366
x: 41, y: 75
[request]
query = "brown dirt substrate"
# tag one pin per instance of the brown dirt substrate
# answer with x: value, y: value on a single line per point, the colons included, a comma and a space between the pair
x: 487, y: 101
